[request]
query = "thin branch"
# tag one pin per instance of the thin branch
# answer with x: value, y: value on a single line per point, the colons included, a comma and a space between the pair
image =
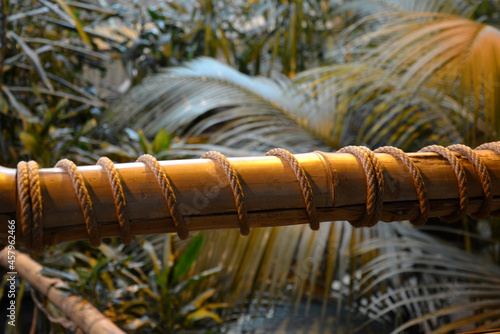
x: 80, y: 311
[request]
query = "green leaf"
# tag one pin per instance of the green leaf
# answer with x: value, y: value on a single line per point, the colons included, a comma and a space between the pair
x: 144, y: 142
x: 187, y: 259
x: 161, y: 141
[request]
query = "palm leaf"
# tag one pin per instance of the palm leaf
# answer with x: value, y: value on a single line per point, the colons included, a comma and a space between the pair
x: 365, y: 8
x: 360, y: 104
x: 208, y: 100
x: 443, y: 52
x: 427, y: 282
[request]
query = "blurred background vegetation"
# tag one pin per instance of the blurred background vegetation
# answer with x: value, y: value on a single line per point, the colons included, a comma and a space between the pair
x: 82, y: 79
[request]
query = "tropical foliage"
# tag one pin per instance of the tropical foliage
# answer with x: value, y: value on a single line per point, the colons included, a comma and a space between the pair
x: 333, y: 73
x: 46, y: 107
x: 403, y: 74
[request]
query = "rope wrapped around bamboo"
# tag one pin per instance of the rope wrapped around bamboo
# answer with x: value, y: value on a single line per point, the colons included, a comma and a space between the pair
x: 355, y: 184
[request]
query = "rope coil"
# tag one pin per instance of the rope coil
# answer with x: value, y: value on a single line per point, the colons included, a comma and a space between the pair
x: 418, y: 182
x: 461, y: 179
x: 29, y: 192
x: 374, y: 185
x: 168, y: 194
x: 119, y: 198
x: 234, y: 181
x: 84, y: 200
x: 304, y: 183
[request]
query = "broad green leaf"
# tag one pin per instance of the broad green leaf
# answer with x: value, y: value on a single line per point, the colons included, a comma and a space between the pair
x: 187, y: 258
x: 161, y: 141
x: 146, y: 146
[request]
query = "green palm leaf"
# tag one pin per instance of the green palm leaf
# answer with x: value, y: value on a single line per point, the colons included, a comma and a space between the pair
x: 218, y: 105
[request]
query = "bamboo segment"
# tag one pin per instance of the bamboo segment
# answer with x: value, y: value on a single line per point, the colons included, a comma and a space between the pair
x: 80, y: 311
x: 272, y: 193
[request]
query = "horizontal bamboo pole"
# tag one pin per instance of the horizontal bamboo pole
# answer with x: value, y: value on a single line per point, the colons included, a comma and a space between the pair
x: 272, y: 193
x: 80, y: 311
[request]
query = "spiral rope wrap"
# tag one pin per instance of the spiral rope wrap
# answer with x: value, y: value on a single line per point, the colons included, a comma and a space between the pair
x: 418, y: 182
x: 119, y: 198
x: 234, y: 181
x: 484, y: 177
x: 168, y: 194
x: 304, y: 183
x: 84, y: 199
x: 36, y: 206
x: 461, y: 178
x: 30, y: 196
x: 493, y: 147
x: 374, y: 185
x: 23, y: 195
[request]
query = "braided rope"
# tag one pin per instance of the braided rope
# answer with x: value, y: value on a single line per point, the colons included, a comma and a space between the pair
x: 30, y: 197
x: 461, y: 179
x: 84, y: 200
x: 484, y: 177
x: 36, y: 206
x: 304, y: 183
x: 23, y: 196
x: 374, y: 185
x: 494, y: 147
x: 235, y: 183
x: 168, y: 194
x: 119, y: 198
x: 418, y: 182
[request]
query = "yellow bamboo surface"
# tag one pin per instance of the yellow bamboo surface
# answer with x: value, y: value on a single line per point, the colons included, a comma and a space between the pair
x: 272, y: 193
x: 80, y: 311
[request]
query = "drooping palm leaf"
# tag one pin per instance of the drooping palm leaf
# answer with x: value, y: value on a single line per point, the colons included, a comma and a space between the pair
x: 363, y: 105
x: 426, y: 282
x: 218, y: 105
x: 211, y: 101
x: 445, y: 52
x: 365, y: 8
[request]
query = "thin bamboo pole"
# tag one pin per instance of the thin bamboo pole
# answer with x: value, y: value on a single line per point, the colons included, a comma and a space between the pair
x: 272, y: 193
x: 80, y: 311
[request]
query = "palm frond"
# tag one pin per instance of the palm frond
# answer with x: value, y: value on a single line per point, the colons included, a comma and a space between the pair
x: 360, y: 104
x: 443, y: 52
x: 365, y: 8
x: 218, y: 105
x: 428, y: 283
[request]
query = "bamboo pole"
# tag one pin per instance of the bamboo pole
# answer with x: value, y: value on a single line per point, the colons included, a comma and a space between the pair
x: 272, y: 193
x: 80, y: 311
